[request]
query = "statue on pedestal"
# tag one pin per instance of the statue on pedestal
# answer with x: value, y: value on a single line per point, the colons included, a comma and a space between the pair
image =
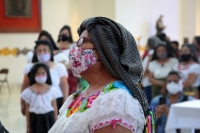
x: 159, y: 25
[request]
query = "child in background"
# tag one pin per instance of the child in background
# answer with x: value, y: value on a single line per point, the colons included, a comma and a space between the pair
x: 41, y: 109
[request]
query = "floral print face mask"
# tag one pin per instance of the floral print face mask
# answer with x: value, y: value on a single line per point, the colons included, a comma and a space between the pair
x: 81, y: 59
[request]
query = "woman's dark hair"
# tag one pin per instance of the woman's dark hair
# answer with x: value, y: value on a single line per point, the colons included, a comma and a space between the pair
x: 155, y: 57
x: 45, y: 33
x: 192, y: 50
x: 66, y: 27
x: 197, y: 38
x: 33, y: 71
x: 42, y: 42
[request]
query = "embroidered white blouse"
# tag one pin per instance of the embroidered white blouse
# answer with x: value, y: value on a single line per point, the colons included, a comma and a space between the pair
x: 113, y: 105
x: 40, y: 103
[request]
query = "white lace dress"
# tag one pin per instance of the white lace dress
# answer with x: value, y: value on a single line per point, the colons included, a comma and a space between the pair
x: 111, y: 106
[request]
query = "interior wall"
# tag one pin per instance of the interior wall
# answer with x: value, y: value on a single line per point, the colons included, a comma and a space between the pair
x: 54, y: 16
x: 140, y: 16
x: 90, y: 8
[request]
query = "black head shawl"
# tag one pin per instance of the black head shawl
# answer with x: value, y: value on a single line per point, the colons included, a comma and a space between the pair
x: 119, y: 53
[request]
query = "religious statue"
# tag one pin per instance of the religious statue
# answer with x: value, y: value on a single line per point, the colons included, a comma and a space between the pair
x: 159, y: 25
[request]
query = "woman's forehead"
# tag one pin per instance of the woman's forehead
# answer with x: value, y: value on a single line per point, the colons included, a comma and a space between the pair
x: 85, y: 33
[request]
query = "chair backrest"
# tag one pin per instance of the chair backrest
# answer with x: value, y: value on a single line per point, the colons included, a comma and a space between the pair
x: 4, y: 71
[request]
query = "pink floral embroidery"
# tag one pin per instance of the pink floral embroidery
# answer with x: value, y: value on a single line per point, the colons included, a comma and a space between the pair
x: 113, y: 122
x: 91, y: 99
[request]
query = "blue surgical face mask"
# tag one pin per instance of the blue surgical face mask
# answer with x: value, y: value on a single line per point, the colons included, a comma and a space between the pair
x: 44, y: 58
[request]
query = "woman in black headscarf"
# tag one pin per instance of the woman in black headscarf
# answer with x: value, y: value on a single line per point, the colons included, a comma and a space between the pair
x: 106, y: 55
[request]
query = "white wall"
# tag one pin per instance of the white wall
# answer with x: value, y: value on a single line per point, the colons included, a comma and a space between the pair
x: 54, y: 15
x: 140, y: 16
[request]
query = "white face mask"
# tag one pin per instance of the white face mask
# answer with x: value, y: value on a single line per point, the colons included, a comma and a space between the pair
x: 41, y: 79
x: 174, y: 88
x: 44, y: 58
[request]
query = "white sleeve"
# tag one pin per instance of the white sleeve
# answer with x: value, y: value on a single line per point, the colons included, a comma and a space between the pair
x: 175, y: 68
x: 145, y: 62
x: 53, y: 92
x: 62, y: 71
x: 151, y: 67
x: 195, y: 68
x: 174, y: 61
x: 29, y: 56
x: 60, y: 58
x: 117, y: 107
x: 27, y: 68
x: 26, y: 95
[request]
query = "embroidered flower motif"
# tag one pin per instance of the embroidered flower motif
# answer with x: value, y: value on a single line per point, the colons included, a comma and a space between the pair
x: 91, y: 99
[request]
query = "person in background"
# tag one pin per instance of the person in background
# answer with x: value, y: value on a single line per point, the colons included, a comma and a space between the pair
x: 44, y: 35
x: 162, y: 103
x: 162, y: 63
x: 43, y: 53
x: 190, y: 69
x: 175, y: 46
x: 166, y: 39
x: 58, y: 56
x: 40, y: 98
x: 151, y: 45
x: 65, y: 41
x: 196, y: 43
x: 185, y: 40
x: 155, y: 41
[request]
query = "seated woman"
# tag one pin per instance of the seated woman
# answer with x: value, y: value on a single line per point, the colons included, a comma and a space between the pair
x: 106, y: 55
x: 162, y: 63
x: 190, y: 70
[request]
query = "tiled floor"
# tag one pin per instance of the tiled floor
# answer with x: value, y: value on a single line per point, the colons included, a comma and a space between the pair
x: 10, y: 115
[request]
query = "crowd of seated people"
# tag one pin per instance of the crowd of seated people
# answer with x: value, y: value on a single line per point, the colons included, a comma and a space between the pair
x: 171, y: 74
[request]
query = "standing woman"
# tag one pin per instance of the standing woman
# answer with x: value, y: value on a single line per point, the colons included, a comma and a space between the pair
x: 58, y: 55
x: 43, y: 53
x: 161, y: 64
x: 65, y: 41
x: 106, y: 55
x: 190, y: 69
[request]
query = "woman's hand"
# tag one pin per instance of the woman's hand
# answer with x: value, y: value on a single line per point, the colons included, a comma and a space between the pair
x: 161, y: 110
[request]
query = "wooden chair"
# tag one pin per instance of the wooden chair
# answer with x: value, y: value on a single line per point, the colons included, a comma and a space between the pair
x: 4, y: 71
